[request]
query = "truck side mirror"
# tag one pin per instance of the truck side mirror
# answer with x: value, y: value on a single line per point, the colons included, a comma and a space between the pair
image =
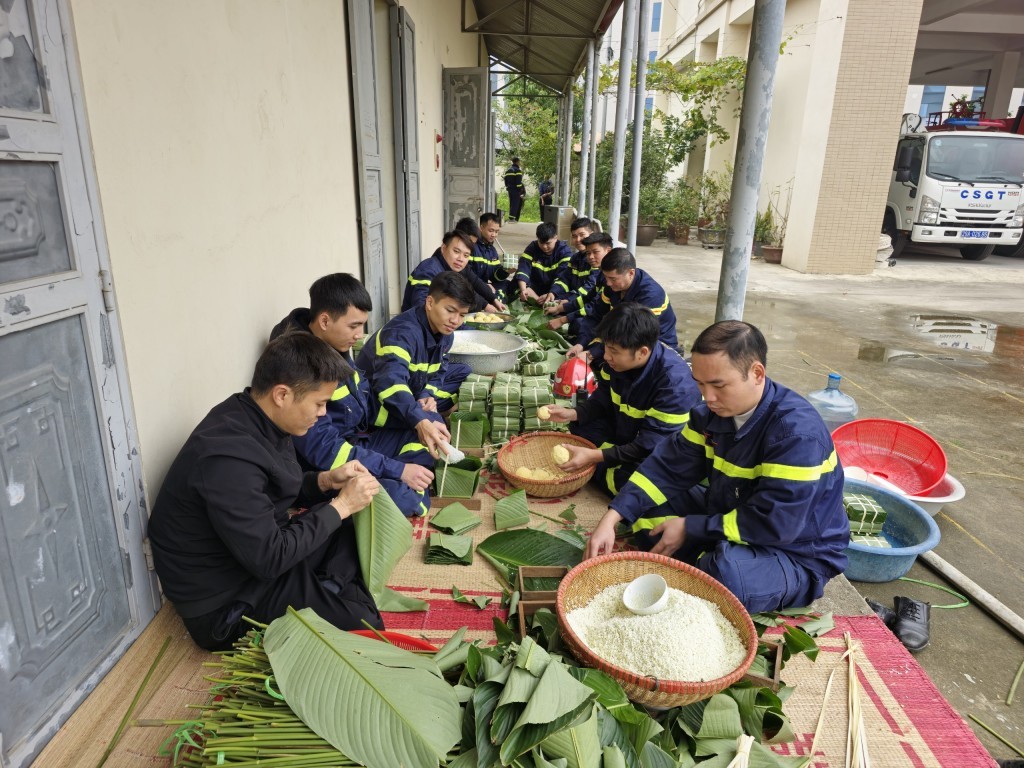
x: 904, y: 158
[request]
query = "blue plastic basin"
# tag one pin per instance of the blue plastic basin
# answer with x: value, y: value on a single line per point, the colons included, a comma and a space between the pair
x: 907, y: 527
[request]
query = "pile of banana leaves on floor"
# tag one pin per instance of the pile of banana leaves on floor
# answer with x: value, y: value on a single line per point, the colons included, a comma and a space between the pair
x: 301, y: 692
x: 545, y: 349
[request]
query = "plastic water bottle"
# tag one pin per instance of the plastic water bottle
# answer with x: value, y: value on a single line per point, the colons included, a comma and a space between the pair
x: 835, y: 406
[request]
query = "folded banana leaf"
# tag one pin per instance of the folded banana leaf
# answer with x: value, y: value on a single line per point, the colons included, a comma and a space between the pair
x: 474, y: 390
x: 444, y: 549
x: 383, y: 535
x: 473, y: 406
x: 537, y: 396
x: 534, y: 424
x: 504, y: 377
x: 474, y: 378
x: 511, y: 511
x: 531, y: 382
x: 505, y: 423
x: 459, y: 480
x: 469, y: 429
x: 506, y: 393
x: 455, y: 519
x: 870, y: 540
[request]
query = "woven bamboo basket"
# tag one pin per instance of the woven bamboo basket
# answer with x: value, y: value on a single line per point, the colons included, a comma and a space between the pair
x: 533, y: 450
x: 588, y: 578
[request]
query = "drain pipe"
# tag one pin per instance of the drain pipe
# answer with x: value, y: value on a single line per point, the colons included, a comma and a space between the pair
x: 976, y: 592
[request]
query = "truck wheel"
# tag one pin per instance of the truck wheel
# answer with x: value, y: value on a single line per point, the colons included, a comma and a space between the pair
x: 1011, y: 250
x: 899, y: 239
x: 976, y: 252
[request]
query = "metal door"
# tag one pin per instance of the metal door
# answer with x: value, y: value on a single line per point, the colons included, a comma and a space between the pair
x: 368, y: 155
x: 74, y: 585
x: 467, y: 109
x: 407, y: 153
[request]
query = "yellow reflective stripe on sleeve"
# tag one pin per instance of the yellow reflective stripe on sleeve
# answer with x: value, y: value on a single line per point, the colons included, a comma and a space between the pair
x: 552, y: 268
x: 800, y: 474
x: 648, y: 487
x: 342, y: 392
x: 426, y: 367
x: 482, y: 260
x: 440, y: 393
x: 410, y: 447
x: 662, y: 308
x: 382, y: 417
x: 414, y: 281
x: 604, y: 374
x: 386, y: 350
x: 392, y: 390
x: 604, y: 298
x: 626, y: 408
x: 695, y: 437
x: 343, y: 454
x: 647, y: 523
x: 609, y: 480
x: 730, y: 527
x: 562, y: 285
x: 668, y: 418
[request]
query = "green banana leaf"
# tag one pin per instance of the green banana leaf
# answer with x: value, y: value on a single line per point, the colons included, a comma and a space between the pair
x: 611, y: 696
x: 379, y: 704
x: 612, y: 757
x: 557, y: 701
x: 485, y: 701
x: 578, y: 744
x: 612, y: 735
x: 383, y: 535
x: 459, y: 480
x: 511, y: 511
x: 507, y: 550
x: 654, y: 756
x: 541, y: 761
x: 455, y: 519
x: 443, y: 549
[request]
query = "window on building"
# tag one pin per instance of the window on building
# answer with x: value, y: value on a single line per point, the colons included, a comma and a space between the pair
x: 931, y: 100
x: 649, y: 105
x: 978, y: 97
x: 656, y: 17
x: 651, y: 56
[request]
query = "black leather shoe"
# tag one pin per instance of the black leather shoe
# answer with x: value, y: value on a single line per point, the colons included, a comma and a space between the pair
x: 911, y: 625
x: 884, y: 612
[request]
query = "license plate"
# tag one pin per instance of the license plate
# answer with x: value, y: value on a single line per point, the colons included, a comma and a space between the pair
x: 980, y: 234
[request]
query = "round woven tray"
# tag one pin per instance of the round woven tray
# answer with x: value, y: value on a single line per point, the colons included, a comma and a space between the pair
x: 533, y: 450
x: 588, y: 578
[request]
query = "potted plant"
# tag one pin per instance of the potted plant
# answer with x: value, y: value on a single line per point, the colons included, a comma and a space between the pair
x: 681, y: 212
x: 715, y: 190
x: 775, y: 234
x: 764, y: 227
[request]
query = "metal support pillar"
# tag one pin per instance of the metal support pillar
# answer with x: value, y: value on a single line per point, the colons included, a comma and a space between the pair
x: 588, y: 97
x: 560, y: 170
x: 765, y: 39
x: 595, y: 91
x: 621, y: 111
x: 567, y: 150
x: 639, y: 119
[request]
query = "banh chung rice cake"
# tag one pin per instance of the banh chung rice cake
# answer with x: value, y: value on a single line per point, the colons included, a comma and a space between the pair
x: 691, y: 640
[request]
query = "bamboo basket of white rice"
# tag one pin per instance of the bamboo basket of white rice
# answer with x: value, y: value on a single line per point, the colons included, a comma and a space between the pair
x: 486, y: 352
x: 705, y: 634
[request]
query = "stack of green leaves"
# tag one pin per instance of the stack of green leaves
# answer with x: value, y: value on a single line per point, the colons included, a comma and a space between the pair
x: 455, y: 519
x: 876, y: 540
x: 511, y: 511
x: 508, y: 550
x: 459, y: 480
x: 866, y: 515
x: 506, y: 393
x: 444, y: 549
x: 505, y: 412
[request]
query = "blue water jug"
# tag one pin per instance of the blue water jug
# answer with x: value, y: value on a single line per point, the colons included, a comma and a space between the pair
x: 835, y: 406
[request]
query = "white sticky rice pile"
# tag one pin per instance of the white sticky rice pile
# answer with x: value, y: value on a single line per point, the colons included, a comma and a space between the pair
x: 471, y: 348
x: 690, y: 640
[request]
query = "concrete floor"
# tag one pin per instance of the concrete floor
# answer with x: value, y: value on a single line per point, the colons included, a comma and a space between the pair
x: 971, y: 400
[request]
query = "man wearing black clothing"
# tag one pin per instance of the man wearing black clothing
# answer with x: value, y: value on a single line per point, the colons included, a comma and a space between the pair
x: 225, y: 542
x: 516, y: 189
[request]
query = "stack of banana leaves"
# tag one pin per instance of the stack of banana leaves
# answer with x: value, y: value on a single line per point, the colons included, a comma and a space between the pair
x: 545, y: 349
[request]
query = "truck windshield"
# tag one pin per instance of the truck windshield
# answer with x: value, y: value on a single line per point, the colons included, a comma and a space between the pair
x: 977, y: 158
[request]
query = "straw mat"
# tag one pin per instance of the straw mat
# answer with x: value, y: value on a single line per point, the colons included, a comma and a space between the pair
x: 907, y: 720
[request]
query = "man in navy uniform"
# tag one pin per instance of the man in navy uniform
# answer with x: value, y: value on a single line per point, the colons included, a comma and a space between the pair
x: 516, y: 189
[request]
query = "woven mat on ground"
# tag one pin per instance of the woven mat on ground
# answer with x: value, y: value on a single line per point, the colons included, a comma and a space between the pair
x: 907, y: 720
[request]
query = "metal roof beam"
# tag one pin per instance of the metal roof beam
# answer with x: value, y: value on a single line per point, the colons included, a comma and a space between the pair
x: 566, y: 20
x: 510, y: 33
x: 481, y: 22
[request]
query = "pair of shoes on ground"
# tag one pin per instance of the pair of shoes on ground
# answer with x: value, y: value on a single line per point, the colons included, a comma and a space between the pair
x: 908, y: 619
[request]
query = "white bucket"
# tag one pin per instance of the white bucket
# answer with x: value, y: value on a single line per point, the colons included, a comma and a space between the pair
x: 947, y: 491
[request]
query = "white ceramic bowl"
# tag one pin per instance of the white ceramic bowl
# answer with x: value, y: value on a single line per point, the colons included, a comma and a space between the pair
x: 947, y: 491
x: 646, y: 594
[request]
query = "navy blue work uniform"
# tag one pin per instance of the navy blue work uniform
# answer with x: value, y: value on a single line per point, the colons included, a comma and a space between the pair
x: 631, y: 412
x: 538, y: 269
x: 406, y: 362
x: 644, y: 290
x: 771, y: 524
x: 418, y: 286
x: 516, y: 191
x: 346, y: 432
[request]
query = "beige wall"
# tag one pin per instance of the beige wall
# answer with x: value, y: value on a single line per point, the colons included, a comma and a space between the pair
x: 222, y: 142
x: 440, y: 43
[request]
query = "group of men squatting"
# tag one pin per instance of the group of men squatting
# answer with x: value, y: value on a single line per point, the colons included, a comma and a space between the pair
x: 710, y: 461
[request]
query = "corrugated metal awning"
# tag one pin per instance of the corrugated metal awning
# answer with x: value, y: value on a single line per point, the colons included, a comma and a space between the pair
x: 543, y: 39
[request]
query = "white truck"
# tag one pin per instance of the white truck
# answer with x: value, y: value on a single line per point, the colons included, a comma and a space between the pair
x: 960, y: 188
